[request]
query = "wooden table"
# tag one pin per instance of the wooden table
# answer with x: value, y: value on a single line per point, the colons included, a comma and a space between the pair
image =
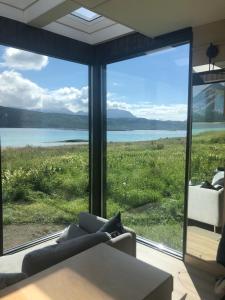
x: 101, y: 273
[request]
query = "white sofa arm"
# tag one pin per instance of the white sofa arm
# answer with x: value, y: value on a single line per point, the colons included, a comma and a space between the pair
x: 206, y: 205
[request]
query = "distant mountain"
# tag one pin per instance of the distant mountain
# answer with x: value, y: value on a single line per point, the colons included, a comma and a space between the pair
x: 113, y: 114
x: 23, y: 118
x: 56, y: 110
x: 144, y: 124
x: 81, y: 113
x: 119, y: 113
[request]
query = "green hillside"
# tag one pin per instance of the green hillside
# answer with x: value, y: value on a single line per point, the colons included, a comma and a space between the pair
x: 22, y: 118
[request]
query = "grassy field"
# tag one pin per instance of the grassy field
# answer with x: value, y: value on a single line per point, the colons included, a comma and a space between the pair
x: 48, y: 187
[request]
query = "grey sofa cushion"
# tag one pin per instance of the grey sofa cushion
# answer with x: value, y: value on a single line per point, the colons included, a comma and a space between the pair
x: 46, y: 257
x: 90, y: 223
x: 72, y: 231
x: 7, y: 279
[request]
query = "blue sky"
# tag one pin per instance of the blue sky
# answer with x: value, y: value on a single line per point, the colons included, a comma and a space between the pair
x: 60, y: 73
x: 161, y: 77
x: 153, y: 86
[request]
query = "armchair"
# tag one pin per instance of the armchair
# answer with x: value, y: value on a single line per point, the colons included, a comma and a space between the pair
x: 207, y: 205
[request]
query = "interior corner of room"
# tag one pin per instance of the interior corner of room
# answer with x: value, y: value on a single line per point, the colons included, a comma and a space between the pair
x: 111, y: 107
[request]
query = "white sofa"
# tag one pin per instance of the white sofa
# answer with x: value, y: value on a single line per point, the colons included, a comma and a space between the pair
x: 207, y: 205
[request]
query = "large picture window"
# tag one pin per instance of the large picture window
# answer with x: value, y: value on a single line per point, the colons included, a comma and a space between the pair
x: 206, y: 184
x: 146, y: 142
x: 44, y: 144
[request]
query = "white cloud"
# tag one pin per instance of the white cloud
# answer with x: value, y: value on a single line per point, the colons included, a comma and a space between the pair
x: 151, y: 111
x: 17, y: 91
x: 175, y: 112
x: 23, y: 60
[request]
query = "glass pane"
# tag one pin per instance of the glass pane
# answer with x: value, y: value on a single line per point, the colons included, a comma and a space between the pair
x: 85, y: 14
x: 147, y: 113
x: 44, y: 144
x: 206, y: 189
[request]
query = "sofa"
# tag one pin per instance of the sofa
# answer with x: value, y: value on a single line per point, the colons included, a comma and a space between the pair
x: 85, y: 235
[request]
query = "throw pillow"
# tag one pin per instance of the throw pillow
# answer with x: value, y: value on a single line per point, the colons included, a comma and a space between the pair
x: 113, y: 225
x: 71, y: 232
x: 218, y: 187
x: 207, y: 185
x: 218, y: 179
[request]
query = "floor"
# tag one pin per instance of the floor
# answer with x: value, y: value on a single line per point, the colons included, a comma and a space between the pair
x: 202, y: 243
x: 189, y: 283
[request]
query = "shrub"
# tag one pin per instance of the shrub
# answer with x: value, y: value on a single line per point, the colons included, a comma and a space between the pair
x: 16, y: 193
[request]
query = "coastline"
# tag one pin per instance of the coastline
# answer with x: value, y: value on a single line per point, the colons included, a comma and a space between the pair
x: 49, y: 137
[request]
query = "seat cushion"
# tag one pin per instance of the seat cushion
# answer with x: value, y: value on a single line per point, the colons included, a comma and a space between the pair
x: 46, y: 257
x: 72, y: 231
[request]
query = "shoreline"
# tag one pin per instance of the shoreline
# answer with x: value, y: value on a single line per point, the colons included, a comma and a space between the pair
x: 69, y: 141
x: 11, y: 142
x: 75, y: 144
x: 143, y: 129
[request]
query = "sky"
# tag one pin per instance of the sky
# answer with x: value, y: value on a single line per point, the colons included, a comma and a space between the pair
x: 153, y: 86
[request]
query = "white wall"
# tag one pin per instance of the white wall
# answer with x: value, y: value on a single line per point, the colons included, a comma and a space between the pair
x: 203, y: 36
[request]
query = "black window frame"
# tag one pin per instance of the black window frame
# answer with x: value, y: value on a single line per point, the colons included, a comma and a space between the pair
x: 25, y: 37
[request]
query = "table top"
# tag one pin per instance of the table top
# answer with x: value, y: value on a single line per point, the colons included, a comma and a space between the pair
x: 100, y: 272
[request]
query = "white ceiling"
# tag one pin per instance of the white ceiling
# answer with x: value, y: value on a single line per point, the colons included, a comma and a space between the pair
x: 55, y: 16
x: 156, y: 17
x: 23, y: 4
x: 150, y: 17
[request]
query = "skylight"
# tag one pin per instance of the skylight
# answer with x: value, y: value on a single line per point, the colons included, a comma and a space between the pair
x: 85, y: 14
